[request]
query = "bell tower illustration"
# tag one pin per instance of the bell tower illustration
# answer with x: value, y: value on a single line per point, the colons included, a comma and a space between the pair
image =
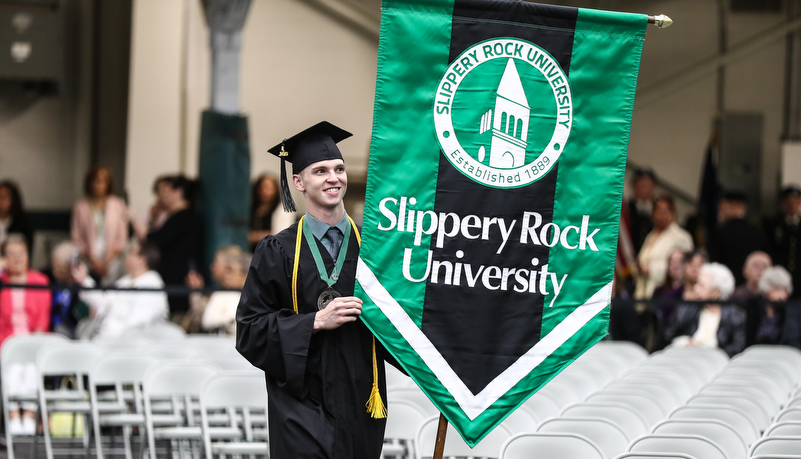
x: 508, y: 122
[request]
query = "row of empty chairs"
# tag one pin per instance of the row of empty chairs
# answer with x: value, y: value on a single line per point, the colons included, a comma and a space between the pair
x: 191, y: 392
x: 616, y: 401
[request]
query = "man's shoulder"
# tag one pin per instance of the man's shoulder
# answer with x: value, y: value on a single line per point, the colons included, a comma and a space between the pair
x: 283, y: 241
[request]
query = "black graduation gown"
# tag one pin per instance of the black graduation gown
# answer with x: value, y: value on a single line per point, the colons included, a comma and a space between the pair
x: 318, y: 384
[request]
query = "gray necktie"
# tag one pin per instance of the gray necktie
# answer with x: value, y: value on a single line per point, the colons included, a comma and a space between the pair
x: 332, y: 241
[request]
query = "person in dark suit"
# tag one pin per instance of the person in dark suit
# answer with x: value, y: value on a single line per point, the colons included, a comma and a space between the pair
x: 641, y: 206
x: 784, y: 235
x: 736, y: 237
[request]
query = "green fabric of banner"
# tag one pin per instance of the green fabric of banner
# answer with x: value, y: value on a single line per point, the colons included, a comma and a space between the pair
x: 567, y: 78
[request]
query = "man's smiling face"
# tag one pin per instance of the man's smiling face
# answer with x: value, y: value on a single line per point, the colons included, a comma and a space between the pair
x: 323, y: 183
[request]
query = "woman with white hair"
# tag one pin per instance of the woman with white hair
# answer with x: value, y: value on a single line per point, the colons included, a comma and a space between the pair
x: 711, y: 324
x: 775, y: 286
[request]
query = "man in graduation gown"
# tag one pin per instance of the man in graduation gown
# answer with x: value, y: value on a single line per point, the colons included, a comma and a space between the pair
x: 318, y: 358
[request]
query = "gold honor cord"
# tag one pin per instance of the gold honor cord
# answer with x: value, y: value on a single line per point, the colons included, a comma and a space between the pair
x: 375, y: 406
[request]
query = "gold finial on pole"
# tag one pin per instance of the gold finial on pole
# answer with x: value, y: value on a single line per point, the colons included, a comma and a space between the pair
x: 662, y: 21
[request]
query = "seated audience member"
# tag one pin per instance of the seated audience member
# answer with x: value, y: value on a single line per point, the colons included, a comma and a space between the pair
x: 671, y: 291
x: 220, y: 312
x: 756, y: 264
x: 693, y: 262
x: 674, y: 279
x: 710, y: 324
x: 775, y: 285
x: 784, y: 234
x: 263, y: 202
x: 626, y: 318
x: 735, y: 237
x: 13, y: 218
x: 100, y: 225
x: 68, y: 308
x: 223, y: 269
x: 116, y: 312
x: 666, y: 236
x: 22, y: 312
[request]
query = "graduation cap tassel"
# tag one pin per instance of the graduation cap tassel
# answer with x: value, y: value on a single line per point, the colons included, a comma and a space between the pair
x: 375, y: 406
x: 286, y: 194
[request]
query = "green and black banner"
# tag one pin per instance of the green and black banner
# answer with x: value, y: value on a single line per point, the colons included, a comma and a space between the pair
x: 493, y: 195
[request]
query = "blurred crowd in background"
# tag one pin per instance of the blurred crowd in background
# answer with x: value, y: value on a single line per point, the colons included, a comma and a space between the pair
x: 724, y: 281
x: 723, y: 284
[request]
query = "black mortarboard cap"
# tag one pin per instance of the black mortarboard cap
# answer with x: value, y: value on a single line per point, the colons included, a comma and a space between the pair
x: 317, y: 143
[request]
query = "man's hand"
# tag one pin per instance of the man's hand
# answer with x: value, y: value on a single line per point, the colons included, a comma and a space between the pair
x: 339, y: 311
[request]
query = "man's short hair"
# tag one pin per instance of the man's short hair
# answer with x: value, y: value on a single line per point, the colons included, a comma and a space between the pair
x: 151, y: 253
x: 735, y: 197
x: 791, y: 190
x: 721, y: 276
x: 13, y: 238
x: 642, y: 172
x: 776, y: 276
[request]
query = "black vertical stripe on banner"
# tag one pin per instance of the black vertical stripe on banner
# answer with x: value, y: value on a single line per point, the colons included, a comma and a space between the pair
x: 455, y: 318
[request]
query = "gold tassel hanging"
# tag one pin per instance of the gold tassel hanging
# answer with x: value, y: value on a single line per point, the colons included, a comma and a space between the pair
x: 375, y: 406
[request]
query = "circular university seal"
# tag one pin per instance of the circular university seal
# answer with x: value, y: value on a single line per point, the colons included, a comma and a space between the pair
x: 503, y: 112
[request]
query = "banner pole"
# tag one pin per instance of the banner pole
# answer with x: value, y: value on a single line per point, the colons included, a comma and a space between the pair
x: 442, y: 430
x: 662, y: 21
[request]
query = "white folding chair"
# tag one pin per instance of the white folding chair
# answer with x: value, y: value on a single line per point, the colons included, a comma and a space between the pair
x: 632, y: 352
x: 629, y: 420
x: 455, y: 446
x: 242, y: 395
x: 616, y: 364
x: 732, y: 416
x: 540, y: 445
x: 776, y: 456
x: 681, y: 388
x: 119, y: 370
x: 776, y: 445
x: 666, y: 398
x: 164, y: 330
x: 211, y: 343
x: 174, y: 387
x: 20, y: 349
x: 779, y: 390
x: 520, y: 421
x: 69, y: 360
x: 670, y: 370
x: 608, y: 437
x: 719, y: 432
x: 403, y: 420
x: 755, y: 393
x: 397, y: 380
x: 713, y: 357
x: 784, y: 429
x: 416, y: 396
x: 688, y: 363
x: 788, y: 414
x: 694, y: 445
x: 755, y: 412
x: 597, y: 370
x: 654, y: 456
x: 580, y: 382
x: 228, y: 361
x: 541, y: 407
x: 641, y: 402
x: 776, y: 369
x: 562, y: 395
